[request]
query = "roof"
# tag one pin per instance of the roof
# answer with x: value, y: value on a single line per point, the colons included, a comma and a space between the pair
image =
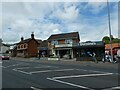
x: 72, y: 35
x: 39, y: 41
x: 44, y: 44
x: 2, y: 44
x: 24, y: 41
x: 27, y: 40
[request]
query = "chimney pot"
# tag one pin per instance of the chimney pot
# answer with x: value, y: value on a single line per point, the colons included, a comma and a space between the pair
x: 32, y: 35
x: 22, y: 38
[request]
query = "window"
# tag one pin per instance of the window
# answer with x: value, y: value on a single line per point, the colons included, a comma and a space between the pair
x: 21, y: 46
x: 24, y: 45
x: 68, y: 41
x: 18, y: 47
x: 54, y: 42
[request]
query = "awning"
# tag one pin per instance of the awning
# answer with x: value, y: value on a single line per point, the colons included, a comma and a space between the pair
x: 62, y: 48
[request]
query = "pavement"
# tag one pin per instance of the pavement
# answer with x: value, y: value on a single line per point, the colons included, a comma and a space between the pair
x: 33, y: 74
x: 69, y: 61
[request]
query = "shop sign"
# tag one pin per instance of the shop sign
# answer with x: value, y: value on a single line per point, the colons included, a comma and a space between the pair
x: 85, y: 44
x: 91, y: 43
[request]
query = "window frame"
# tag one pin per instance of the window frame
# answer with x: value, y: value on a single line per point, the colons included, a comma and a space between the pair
x: 54, y: 42
x: 68, y: 41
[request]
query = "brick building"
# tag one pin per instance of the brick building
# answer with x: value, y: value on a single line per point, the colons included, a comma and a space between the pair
x: 115, y: 47
x: 62, y: 44
x: 28, y: 47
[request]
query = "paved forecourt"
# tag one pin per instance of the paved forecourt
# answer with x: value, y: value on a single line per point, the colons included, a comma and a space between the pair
x: 62, y: 76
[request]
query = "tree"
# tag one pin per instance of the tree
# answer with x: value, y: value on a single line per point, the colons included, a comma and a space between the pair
x: 106, y: 39
x: 116, y: 40
x: 111, y: 37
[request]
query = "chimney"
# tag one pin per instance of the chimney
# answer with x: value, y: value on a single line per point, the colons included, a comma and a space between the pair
x: 32, y: 35
x: 22, y: 38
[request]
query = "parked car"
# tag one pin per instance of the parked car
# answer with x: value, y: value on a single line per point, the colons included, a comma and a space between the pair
x: 4, y: 57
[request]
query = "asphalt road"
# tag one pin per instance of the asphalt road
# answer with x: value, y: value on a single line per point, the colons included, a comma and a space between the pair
x: 42, y: 74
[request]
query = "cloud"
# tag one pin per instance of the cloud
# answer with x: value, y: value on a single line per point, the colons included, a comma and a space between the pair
x: 95, y: 7
x: 10, y: 36
x: 44, y: 19
x: 1, y: 20
x: 68, y: 14
x: 59, y: 0
x: 64, y: 12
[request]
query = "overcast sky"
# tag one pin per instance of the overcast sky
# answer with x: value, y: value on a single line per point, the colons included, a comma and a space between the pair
x: 46, y: 18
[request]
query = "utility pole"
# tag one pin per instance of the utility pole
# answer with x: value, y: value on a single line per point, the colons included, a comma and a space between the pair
x: 110, y: 30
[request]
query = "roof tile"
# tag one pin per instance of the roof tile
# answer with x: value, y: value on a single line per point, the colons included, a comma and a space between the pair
x: 64, y: 36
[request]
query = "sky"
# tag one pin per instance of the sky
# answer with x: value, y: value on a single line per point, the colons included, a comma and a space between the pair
x: 90, y: 19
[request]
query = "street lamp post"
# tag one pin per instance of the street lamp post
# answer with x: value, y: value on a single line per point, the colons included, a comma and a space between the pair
x: 110, y: 30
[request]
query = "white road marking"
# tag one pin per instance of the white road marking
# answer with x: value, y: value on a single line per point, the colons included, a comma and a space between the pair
x: 113, y: 88
x: 71, y: 84
x: 21, y: 71
x: 93, y: 71
x: 97, y: 71
x: 34, y: 88
x: 87, y: 75
x: 51, y: 71
x: 35, y: 67
x: 64, y: 77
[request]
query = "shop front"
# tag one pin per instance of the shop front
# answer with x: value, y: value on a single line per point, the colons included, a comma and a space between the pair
x: 43, y: 52
x: 85, y: 49
x: 64, y: 52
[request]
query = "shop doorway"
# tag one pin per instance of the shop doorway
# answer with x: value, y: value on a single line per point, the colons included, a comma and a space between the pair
x: 63, y: 53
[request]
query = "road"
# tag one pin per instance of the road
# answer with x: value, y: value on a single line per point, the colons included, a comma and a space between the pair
x: 42, y: 74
